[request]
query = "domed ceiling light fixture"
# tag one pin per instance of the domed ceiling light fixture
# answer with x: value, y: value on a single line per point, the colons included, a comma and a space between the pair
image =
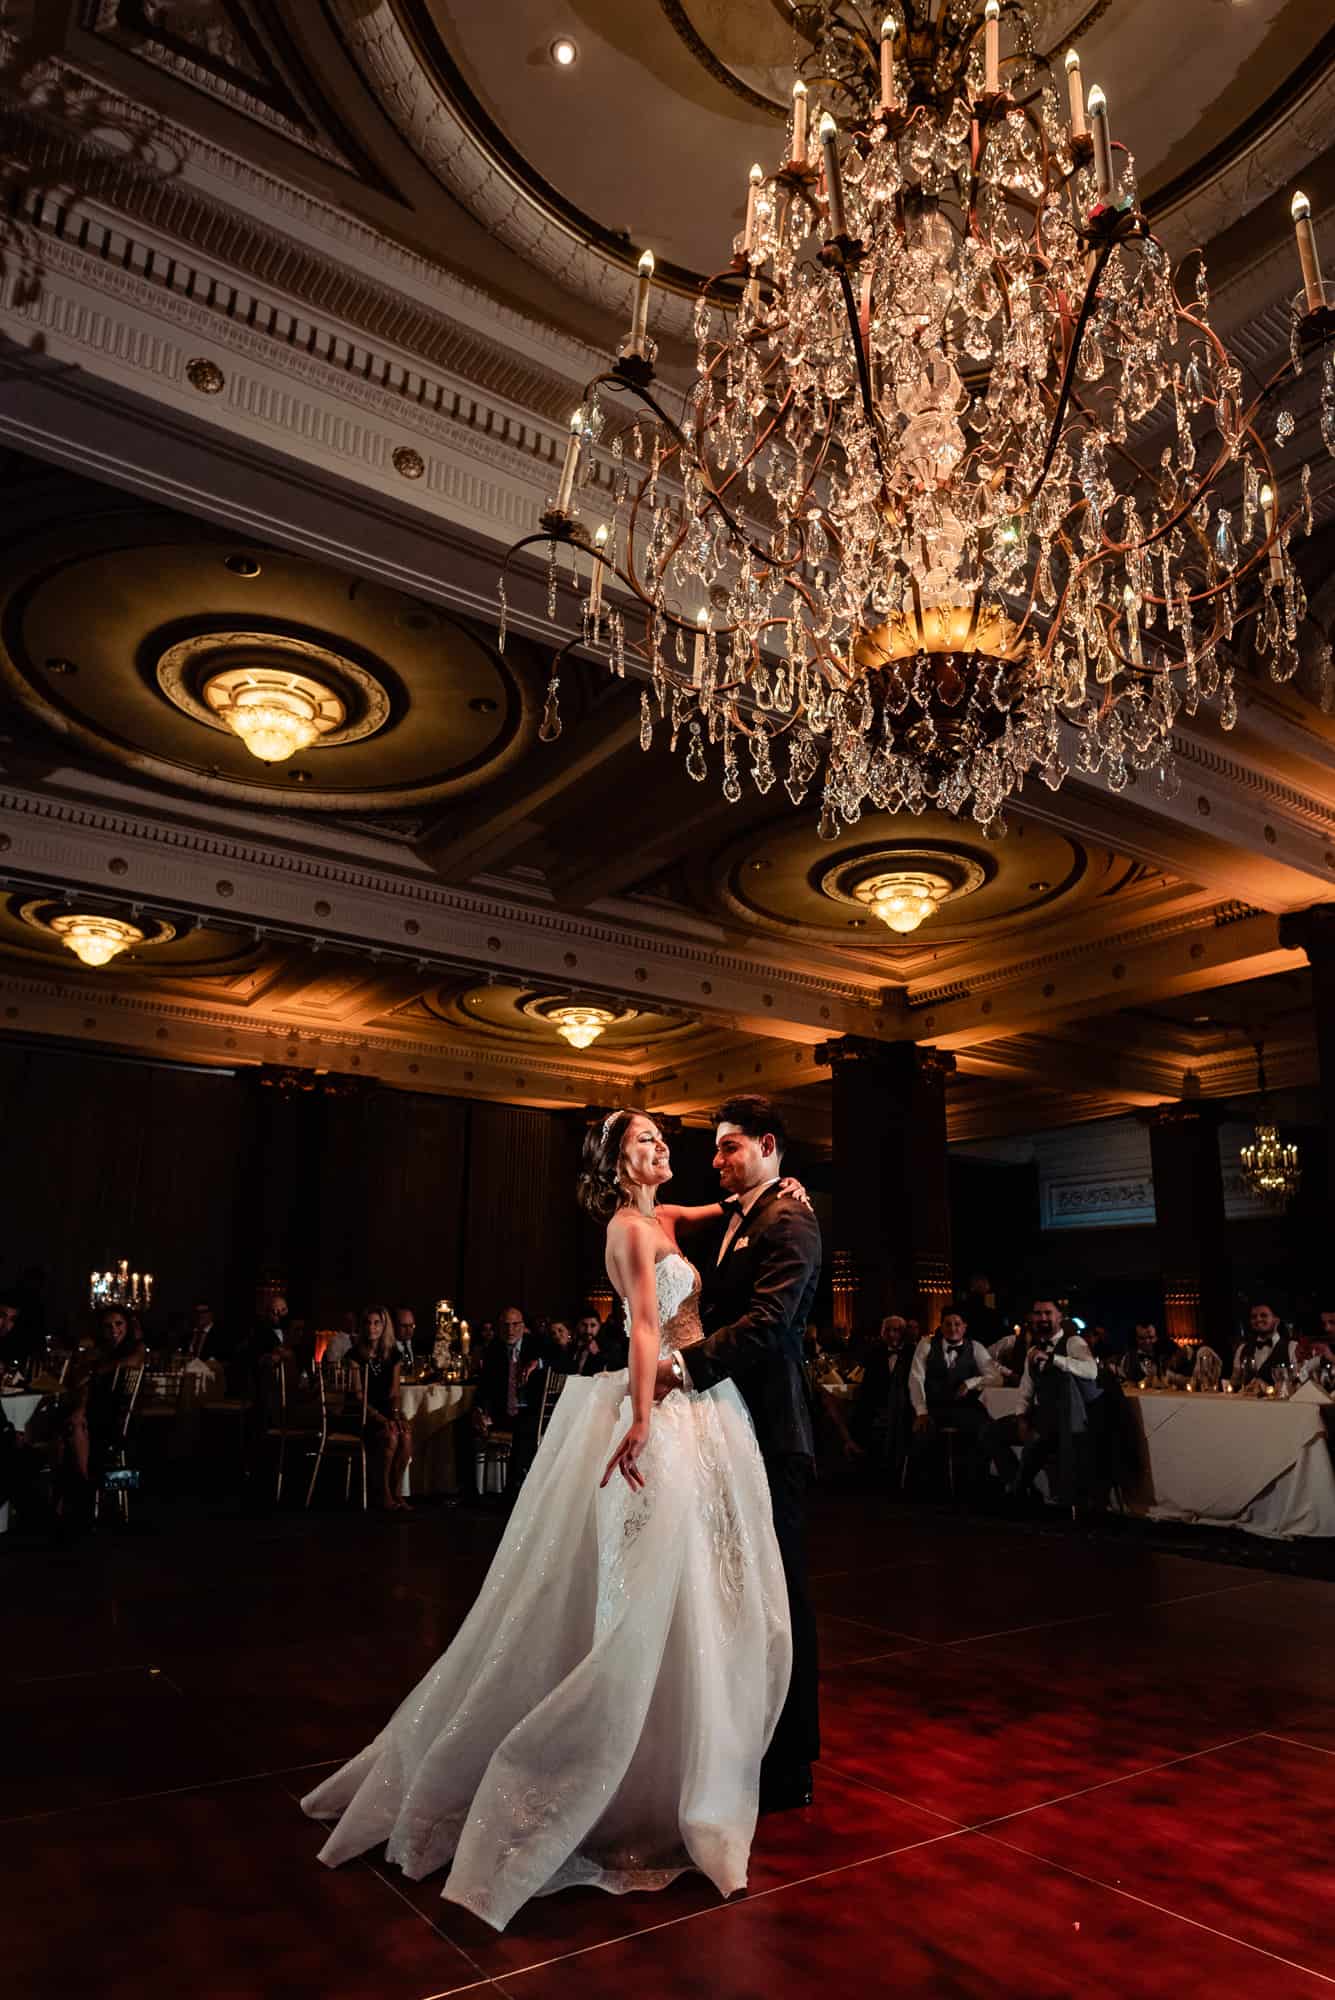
x: 275, y: 713
x: 94, y: 940
x: 581, y: 1026
x: 913, y: 477
x: 904, y: 899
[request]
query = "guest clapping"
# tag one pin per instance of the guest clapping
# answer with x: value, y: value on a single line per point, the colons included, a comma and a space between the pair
x: 374, y: 1361
x: 946, y: 1383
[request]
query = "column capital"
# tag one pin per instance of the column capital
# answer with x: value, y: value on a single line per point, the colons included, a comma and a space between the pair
x: 904, y: 1062
x: 1312, y: 931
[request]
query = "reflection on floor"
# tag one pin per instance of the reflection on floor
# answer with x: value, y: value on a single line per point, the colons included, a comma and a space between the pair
x: 1054, y: 1767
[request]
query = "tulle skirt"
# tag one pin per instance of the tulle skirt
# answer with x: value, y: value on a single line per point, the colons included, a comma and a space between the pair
x: 601, y: 1716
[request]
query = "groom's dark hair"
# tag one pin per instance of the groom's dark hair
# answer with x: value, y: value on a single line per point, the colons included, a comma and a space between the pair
x: 755, y: 1116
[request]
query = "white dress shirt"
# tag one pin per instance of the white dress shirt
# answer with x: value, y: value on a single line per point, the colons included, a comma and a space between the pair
x: 1077, y: 1361
x: 745, y: 1203
x: 986, y: 1374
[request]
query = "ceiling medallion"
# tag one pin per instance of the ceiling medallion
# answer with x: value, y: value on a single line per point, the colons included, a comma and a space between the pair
x: 277, y: 693
x: 962, y: 473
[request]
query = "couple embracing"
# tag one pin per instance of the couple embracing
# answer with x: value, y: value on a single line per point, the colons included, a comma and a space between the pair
x: 644, y: 1637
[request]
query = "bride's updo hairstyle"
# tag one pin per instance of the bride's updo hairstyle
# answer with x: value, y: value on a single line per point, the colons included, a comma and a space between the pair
x: 600, y: 1187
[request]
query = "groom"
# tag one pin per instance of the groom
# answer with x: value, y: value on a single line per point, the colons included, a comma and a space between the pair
x: 757, y: 1294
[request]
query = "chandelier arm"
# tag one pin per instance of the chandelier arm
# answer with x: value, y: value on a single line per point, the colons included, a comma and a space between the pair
x: 1072, y: 362
x: 711, y: 495
x: 864, y: 373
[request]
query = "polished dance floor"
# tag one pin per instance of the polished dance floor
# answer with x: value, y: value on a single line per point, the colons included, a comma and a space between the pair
x: 1053, y: 1767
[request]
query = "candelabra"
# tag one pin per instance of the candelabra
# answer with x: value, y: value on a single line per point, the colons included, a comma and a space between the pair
x: 965, y: 489
x: 120, y: 1286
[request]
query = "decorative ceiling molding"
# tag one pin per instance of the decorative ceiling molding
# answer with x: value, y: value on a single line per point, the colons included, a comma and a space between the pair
x: 456, y: 152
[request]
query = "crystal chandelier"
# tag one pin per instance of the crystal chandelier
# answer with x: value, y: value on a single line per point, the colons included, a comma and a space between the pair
x: 964, y: 489
x: 581, y: 1026
x: 1270, y: 1168
x: 274, y: 713
x: 95, y: 941
x: 902, y: 900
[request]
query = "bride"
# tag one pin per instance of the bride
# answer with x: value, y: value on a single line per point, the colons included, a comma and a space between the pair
x: 601, y: 1715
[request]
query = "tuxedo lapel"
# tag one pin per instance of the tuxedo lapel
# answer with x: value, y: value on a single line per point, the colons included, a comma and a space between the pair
x: 749, y: 1222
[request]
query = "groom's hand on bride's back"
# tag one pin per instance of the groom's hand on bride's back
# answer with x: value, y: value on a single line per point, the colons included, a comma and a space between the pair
x: 666, y: 1379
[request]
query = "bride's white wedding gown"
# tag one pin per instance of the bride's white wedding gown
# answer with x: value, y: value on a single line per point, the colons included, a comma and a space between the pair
x: 601, y: 1715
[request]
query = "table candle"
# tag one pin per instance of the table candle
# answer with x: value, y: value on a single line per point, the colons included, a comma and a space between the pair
x: 834, y: 186
x: 1076, y: 91
x: 799, y: 123
x: 1301, y: 211
x: 566, y: 491
x: 889, y: 29
x: 992, y: 47
x: 639, y: 326
x: 1098, y: 127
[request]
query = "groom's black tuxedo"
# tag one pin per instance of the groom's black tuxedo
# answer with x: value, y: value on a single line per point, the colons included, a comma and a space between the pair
x: 753, y: 1307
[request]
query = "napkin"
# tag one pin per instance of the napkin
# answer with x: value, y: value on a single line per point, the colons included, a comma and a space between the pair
x: 1310, y: 1392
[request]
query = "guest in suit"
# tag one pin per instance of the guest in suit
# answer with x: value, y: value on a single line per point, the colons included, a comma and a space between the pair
x: 946, y: 1383
x: 1152, y: 1357
x: 405, y: 1337
x: 1059, y: 1395
x: 510, y: 1391
x: 755, y: 1303
x: 1263, y: 1348
x: 882, y: 1400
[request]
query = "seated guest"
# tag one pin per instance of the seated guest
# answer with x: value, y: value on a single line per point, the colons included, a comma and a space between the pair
x: 1262, y: 1349
x: 560, y: 1347
x: 882, y: 1399
x: 946, y: 1381
x: 405, y: 1336
x: 16, y: 1350
x: 599, y: 1349
x: 1058, y: 1391
x: 510, y: 1392
x: 1152, y: 1357
x: 1312, y: 1352
x: 92, y: 1405
x: 374, y: 1360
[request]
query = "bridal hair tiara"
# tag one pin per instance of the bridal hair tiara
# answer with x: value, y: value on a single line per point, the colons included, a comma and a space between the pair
x: 611, y: 1119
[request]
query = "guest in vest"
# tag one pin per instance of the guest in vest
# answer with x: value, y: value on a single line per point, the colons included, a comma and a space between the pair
x: 946, y: 1382
x: 1152, y: 1356
x: 1059, y: 1392
x: 1263, y: 1348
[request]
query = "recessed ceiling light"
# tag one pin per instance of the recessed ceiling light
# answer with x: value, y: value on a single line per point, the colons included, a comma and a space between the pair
x: 59, y: 666
x: 242, y: 565
x: 482, y: 704
x: 565, y: 53
x: 1038, y: 888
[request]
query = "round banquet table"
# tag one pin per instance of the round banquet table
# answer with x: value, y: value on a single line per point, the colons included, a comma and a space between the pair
x: 433, y: 1410
x: 20, y: 1406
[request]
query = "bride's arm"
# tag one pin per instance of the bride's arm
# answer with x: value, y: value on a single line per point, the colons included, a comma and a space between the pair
x: 631, y: 1256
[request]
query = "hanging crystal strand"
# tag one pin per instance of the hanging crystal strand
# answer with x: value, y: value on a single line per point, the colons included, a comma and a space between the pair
x: 1328, y: 404
x: 646, y: 721
x: 551, y: 582
x: 732, y: 784
x: 502, y: 623
x: 617, y: 634
x: 550, y: 727
x: 695, y: 756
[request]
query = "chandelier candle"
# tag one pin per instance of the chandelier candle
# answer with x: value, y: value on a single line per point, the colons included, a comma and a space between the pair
x: 1075, y: 90
x: 799, y: 123
x: 1313, y: 285
x: 834, y: 183
x: 992, y: 47
x: 932, y: 566
x: 889, y: 97
x: 596, y: 576
x: 1098, y: 131
x: 755, y: 181
x: 565, y: 493
x: 639, y: 328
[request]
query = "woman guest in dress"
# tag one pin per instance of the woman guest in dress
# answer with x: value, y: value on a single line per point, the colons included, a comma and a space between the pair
x: 374, y: 1357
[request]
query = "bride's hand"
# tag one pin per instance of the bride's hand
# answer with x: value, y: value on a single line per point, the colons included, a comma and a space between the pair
x: 627, y: 1456
x: 792, y: 1187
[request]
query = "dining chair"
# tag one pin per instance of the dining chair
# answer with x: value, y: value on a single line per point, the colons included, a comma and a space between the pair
x: 352, y: 1444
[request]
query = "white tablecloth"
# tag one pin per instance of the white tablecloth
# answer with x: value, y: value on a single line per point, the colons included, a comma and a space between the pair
x: 432, y: 1410
x: 1238, y: 1462
x: 1228, y: 1461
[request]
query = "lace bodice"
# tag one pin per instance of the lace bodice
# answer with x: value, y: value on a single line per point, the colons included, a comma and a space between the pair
x: 678, y: 1286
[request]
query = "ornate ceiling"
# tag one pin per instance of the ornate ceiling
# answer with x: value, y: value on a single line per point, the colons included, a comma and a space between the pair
x: 290, y: 360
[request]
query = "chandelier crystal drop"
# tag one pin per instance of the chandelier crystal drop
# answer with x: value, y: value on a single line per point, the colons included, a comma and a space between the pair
x: 95, y: 941
x: 966, y: 480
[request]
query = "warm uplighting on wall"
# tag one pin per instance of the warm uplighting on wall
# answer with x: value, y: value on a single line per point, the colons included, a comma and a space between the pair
x: 95, y: 940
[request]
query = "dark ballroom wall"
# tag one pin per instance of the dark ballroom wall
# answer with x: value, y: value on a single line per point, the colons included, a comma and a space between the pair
x: 348, y: 1192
